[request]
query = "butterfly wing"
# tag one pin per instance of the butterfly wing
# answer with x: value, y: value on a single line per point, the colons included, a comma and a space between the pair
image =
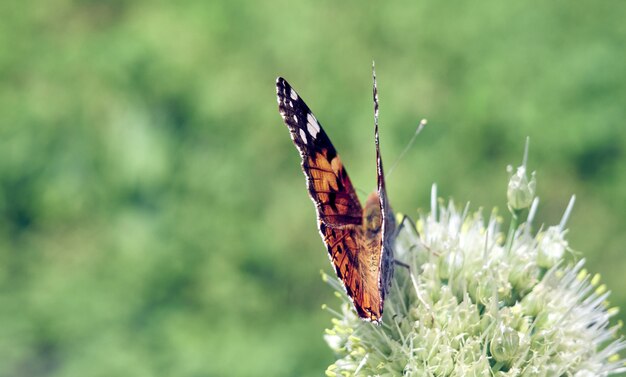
x: 329, y: 186
x: 379, y: 232
x: 388, y: 227
x: 339, y: 212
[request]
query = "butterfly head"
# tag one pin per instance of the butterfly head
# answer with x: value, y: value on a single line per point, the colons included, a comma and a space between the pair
x: 372, y: 216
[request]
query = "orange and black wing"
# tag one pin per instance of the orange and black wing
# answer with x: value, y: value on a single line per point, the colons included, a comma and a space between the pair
x: 327, y: 180
x: 340, y: 215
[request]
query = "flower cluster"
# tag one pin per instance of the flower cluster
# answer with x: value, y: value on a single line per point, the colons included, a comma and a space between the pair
x: 477, y: 302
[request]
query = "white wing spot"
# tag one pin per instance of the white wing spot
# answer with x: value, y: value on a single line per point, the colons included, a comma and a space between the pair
x: 295, y: 118
x: 302, y: 135
x: 294, y: 95
x: 312, y: 125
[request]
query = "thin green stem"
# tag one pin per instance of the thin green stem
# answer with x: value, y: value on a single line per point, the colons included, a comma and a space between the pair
x: 515, y: 215
x: 497, y: 366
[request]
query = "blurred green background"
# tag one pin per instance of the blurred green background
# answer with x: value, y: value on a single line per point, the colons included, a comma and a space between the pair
x: 153, y: 217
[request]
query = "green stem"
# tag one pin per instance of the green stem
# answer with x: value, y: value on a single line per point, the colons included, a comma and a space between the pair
x: 497, y: 366
x: 514, y: 220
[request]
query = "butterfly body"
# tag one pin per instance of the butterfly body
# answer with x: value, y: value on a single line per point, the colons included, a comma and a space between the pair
x: 358, y: 239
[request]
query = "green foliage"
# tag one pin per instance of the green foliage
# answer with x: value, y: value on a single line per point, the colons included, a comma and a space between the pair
x: 153, y: 219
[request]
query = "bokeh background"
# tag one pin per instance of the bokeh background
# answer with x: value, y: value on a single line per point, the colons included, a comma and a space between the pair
x: 153, y: 217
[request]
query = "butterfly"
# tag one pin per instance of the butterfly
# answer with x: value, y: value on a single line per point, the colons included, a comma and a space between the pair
x: 359, y: 240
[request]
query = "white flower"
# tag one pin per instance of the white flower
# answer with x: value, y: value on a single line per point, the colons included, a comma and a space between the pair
x: 552, y: 246
x: 475, y: 303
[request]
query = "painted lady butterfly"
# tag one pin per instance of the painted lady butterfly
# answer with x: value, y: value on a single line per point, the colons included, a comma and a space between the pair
x: 359, y: 241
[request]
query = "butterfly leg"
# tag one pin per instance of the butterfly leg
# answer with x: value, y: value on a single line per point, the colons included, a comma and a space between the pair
x: 413, y: 227
x: 402, y: 264
x: 412, y: 234
x: 397, y: 262
x: 406, y: 218
x: 415, y: 286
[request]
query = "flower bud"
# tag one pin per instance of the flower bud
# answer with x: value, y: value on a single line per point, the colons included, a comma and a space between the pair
x: 521, y: 191
x: 505, y: 344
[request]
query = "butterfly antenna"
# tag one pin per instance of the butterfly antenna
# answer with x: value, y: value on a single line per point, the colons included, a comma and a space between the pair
x: 419, y: 129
